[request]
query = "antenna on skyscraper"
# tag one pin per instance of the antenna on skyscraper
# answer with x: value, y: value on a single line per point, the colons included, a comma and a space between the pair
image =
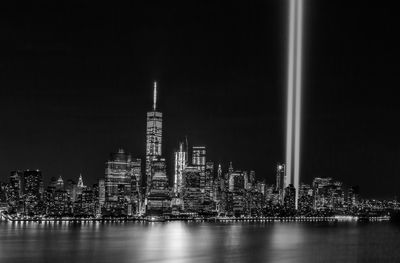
x: 155, y: 96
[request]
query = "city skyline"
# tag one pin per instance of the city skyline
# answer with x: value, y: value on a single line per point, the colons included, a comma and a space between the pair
x: 171, y: 171
x: 222, y: 131
x: 78, y: 96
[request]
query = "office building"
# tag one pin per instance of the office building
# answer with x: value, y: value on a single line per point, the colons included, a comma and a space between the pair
x: 158, y: 199
x: 120, y: 170
x: 181, y: 161
x: 153, y: 136
x: 191, y: 189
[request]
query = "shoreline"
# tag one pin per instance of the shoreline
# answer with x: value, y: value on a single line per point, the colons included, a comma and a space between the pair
x: 211, y: 220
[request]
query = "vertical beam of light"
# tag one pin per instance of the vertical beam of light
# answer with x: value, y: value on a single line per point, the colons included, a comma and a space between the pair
x: 290, y: 91
x: 299, y: 45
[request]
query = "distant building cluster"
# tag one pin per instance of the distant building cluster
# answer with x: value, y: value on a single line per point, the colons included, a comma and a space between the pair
x: 197, y: 188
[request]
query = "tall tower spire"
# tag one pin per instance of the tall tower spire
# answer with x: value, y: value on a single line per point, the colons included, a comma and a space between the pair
x: 155, y: 96
x: 153, y: 137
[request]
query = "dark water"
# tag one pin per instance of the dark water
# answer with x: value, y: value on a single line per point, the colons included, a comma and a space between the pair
x: 199, y: 242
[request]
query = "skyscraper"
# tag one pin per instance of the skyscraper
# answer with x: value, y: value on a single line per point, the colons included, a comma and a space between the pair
x: 191, y: 190
x: 305, y: 199
x: 209, y: 180
x: 290, y: 198
x: 60, y: 183
x: 280, y: 177
x: 181, y: 158
x: 33, y: 189
x: 237, y: 181
x: 199, y: 161
x: 353, y: 196
x: 280, y: 181
x: 321, y: 192
x: 153, y: 137
x: 119, y: 173
x: 102, y: 192
x: 199, y: 157
x: 15, y: 186
x: 32, y: 183
x: 158, y: 200
x: 80, y: 182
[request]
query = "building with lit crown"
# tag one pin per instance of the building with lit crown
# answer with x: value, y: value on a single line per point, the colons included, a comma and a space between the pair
x: 153, y: 137
x: 121, y: 170
x: 181, y: 159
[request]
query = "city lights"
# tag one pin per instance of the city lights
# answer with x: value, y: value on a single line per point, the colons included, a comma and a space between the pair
x: 201, y: 189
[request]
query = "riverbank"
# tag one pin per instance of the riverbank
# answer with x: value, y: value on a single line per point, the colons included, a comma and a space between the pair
x: 8, y: 218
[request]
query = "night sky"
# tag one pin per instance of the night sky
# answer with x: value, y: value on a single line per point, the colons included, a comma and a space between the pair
x: 76, y: 83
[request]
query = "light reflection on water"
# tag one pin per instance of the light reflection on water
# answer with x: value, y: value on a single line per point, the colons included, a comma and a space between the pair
x: 199, y: 242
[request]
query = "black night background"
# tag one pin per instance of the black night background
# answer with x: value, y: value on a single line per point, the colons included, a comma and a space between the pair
x: 76, y: 83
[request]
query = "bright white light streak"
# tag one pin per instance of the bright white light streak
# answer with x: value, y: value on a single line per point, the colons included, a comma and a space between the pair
x: 294, y: 83
x: 299, y: 51
x: 290, y: 91
x: 155, y: 96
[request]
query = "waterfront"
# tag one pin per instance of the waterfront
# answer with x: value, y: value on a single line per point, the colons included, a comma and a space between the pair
x: 199, y: 242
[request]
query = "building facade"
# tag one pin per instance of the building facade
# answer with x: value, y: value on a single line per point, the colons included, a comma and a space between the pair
x: 181, y: 159
x: 121, y: 170
x: 153, y: 136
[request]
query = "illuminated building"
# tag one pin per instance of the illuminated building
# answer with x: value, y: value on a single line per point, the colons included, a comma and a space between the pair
x: 181, y: 159
x: 153, y: 136
x: 320, y: 182
x: 15, y: 189
x: 280, y: 181
x: 320, y: 188
x: 199, y: 161
x: 119, y: 173
x: 59, y: 205
x: 3, y: 197
x: 136, y: 183
x: 80, y: 182
x: 290, y: 198
x: 237, y: 186
x: 71, y: 189
x: 230, y: 169
x: 336, y: 194
x: 191, y: 190
x: 305, y: 199
x: 199, y: 157
x: 269, y: 194
x: 260, y: 187
x: 209, y: 179
x: 102, y: 192
x: 219, y: 172
x: 85, y: 205
x: 237, y: 181
x: 158, y: 199
x: 32, y: 183
x: 353, y: 197
x: 80, y: 186
x: 238, y: 203
x: 219, y: 189
x: 328, y: 195
x: 52, y: 185
x: 33, y: 189
x: 256, y: 203
x: 251, y: 180
x: 60, y: 184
